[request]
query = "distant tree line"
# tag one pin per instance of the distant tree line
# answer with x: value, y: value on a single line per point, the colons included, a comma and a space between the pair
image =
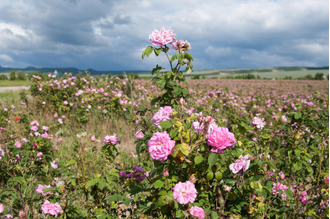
x: 13, y: 75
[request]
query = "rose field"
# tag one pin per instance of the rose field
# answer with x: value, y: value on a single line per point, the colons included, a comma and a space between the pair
x: 103, y: 147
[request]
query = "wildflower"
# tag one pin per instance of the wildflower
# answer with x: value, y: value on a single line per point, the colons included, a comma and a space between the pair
x: 113, y: 139
x: 9, y: 216
x: 220, y: 138
x: 281, y: 175
x: 184, y: 193
x: 60, y: 121
x: 122, y: 174
x: 34, y: 128
x: 160, y: 146
x: 16, y: 118
x: 2, y: 153
x: 197, y: 212
x: 165, y: 173
x: 1, y: 208
x: 93, y: 138
x: 34, y: 123
x: 162, y: 37
x: 242, y: 163
x: 50, y: 208
x: 163, y: 114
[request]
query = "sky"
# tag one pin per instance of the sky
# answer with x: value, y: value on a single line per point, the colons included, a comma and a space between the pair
x: 111, y: 34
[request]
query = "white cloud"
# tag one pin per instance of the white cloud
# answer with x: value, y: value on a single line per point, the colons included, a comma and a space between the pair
x: 6, y: 58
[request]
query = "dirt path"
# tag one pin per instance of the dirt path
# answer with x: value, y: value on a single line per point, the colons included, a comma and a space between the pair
x: 16, y: 88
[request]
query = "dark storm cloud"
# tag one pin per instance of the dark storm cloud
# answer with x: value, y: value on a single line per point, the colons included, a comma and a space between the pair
x: 111, y: 34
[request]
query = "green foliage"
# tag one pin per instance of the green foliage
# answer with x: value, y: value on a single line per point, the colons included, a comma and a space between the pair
x: 12, y: 75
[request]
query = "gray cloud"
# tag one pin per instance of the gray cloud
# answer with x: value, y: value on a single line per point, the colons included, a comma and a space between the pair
x: 111, y: 34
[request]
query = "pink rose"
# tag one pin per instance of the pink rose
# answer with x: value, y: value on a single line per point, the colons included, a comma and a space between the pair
x: 197, y: 212
x: 162, y: 37
x: 242, y: 163
x: 184, y: 193
x: 18, y: 144
x: 50, y: 208
x: 220, y: 138
x: 111, y: 139
x: 160, y: 146
x: 139, y: 134
x: 163, y: 114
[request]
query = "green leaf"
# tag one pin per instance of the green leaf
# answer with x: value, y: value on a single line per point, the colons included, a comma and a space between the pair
x: 180, y: 57
x: 158, y: 184
x: 71, y: 162
x: 297, y: 115
x: 212, y: 159
x: 135, y: 190
x: 177, y: 91
x: 101, y: 184
x: 169, y: 74
x: 214, y: 215
x: 173, y: 133
x: 165, y: 124
x: 149, y: 50
x: 19, y: 179
x: 289, y: 193
x: 161, y: 83
x: 91, y: 183
x: 185, y: 91
x: 198, y: 159
x: 188, y: 70
x: 173, y: 58
x: 114, y: 172
x: 157, y: 51
x: 188, y: 56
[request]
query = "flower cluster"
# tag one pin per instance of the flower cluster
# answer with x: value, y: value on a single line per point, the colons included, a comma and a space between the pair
x: 136, y: 173
x: 40, y: 189
x: 279, y: 186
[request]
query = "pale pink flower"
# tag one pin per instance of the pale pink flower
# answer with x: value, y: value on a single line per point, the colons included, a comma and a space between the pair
x: 55, y: 115
x: 180, y: 44
x: 45, y: 128
x: 50, y: 208
x: 197, y: 212
x: 259, y: 123
x: 284, y: 119
x: 40, y: 189
x: 54, y: 164
x: 9, y: 216
x: 242, y: 163
x: 113, y: 139
x: 184, y: 193
x: 18, y: 144
x: 1, y: 208
x: 21, y: 214
x: 60, y: 121
x: 165, y: 173
x: 281, y: 175
x: 35, y: 123
x: 163, y: 114
x: 162, y: 37
x: 220, y: 138
x: 139, y: 134
x: 65, y: 102
x: 160, y: 146
x: 34, y: 128
x: 93, y: 138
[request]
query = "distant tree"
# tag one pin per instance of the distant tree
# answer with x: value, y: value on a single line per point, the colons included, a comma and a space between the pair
x: 21, y: 75
x: 134, y: 76
x: 251, y: 76
x: 120, y: 76
x: 319, y: 76
x: 309, y: 77
x: 196, y: 77
x: 258, y: 77
x: 12, y: 75
x: 36, y: 74
x: 3, y: 77
x: 288, y: 77
x: 328, y: 77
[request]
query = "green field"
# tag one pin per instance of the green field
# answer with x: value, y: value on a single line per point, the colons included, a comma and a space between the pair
x: 14, y: 83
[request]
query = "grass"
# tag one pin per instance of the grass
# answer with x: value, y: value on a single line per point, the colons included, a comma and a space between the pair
x: 14, y: 83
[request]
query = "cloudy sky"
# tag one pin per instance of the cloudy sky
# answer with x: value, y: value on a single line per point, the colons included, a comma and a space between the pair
x: 111, y: 34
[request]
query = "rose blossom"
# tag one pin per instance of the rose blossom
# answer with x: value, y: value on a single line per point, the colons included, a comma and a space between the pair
x: 54, y: 164
x: 259, y: 123
x: 242, y: 163
x: 160, y: 146
x: 163, y: 114
x: 9, y: 216
x: 184, y: 193
x: 220, y: 138
x: 18, y: 144
x: 162, y: 37
x: 40, y: 189
x: 113, y: 139
x: 93, y: 138
x: 139, y: 134
x: 197, y: 212
x: 1, y: 208
x: 50, y: 208
x: 180, y: 44
x: 279, y: 186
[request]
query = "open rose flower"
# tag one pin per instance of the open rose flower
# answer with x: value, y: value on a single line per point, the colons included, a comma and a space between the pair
x: 160, y: 146
x: 139, y: 134
x: 184, y: 193
x: 163, y: 114
x: 220, y: 138
x: 50, y: 208
x: 242, y: 163
x: 197, y: 212
x: 162, y: 37
x: 113, y: 139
